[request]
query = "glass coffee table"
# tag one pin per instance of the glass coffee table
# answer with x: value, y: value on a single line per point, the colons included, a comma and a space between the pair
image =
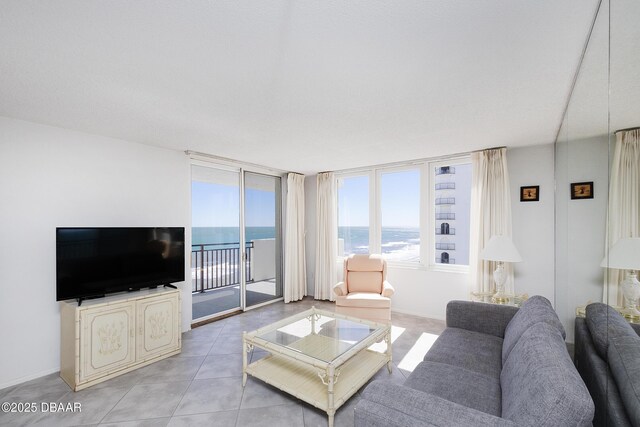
x: 318, y: 356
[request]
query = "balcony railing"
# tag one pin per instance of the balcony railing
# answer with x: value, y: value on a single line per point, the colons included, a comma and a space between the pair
x: 216, y: 265
x: 446, y: 246
x: 451, y: 261
x: 452, y: 232
x: 444, y: 170
x: 446, y: 186
x: 446, y: 201
x: 445, y: 215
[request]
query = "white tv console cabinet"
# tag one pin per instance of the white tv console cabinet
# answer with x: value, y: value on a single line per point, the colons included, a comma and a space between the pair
x: 107, y: 337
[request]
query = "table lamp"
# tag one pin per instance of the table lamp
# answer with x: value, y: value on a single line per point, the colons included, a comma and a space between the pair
x: 625, y: 255
x: 500, y: 249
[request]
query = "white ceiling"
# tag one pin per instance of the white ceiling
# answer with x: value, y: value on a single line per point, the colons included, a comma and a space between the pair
x: 303, y: 86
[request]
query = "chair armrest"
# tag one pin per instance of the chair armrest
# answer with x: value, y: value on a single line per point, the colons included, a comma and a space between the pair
x: 340, y: 289
x: 384, y: 404
x: 387, y: 289
x: 480, y: 317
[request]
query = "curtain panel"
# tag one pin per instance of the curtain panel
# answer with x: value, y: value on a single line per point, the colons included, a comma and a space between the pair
x: 623, y: 213
x: 295, y: 274
x: 490, y: 215
x: 326, y: 237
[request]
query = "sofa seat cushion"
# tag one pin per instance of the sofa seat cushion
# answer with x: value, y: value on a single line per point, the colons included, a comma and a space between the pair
x: 624, y: 360
x: 540, y: 385
x: 459, y: 385
x: 470, y: 350
x: 363, y: 299
x: 534, y: 310
x: 605, y: 323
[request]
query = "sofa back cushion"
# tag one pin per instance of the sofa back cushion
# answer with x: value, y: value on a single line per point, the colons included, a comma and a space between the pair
x: 623, y: 354
x: 605, y: 323
x: 536, y: 309
x: 540, y: 385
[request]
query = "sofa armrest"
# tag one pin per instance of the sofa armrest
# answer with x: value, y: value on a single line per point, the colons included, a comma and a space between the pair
x: 384, y: 404
x: 340, y: 289
x: 387, y: 289
x: 480, y: 317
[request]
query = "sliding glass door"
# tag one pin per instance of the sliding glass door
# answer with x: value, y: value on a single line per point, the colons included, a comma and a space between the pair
x: 236, y: 253
x: 262, y: 201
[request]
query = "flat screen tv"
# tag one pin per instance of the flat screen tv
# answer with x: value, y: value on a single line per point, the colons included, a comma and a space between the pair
x: 92, y: 262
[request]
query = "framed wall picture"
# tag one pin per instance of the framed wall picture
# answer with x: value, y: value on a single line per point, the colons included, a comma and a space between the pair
x: 530, y: 193
x: 581, y: 190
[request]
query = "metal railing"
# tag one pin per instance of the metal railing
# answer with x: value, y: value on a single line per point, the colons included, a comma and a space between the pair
x: 446, y: 246
x: 451, y: 261
x: 452, y: 232
x: 445, y: 170
x: 445, y: 201
x: 445, y: 215
x: 445, y: 186
x: 216, y: 265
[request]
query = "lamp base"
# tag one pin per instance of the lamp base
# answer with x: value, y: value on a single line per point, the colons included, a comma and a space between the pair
x: 499, y: 298
x: 631, y: 291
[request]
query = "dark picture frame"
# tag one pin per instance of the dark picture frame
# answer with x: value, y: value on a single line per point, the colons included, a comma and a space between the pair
x: 530, y: 193
x: 581, y: 190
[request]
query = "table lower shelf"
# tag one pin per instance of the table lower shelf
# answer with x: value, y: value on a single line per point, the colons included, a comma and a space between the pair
x: 303, y: 382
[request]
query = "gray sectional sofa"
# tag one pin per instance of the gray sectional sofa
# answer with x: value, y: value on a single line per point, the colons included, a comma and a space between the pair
x: 608, y: 359
x: 492, y: 366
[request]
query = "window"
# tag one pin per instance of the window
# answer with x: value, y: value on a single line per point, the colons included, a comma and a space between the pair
x: 353, y: 215
x: 414, y: 215
x: 400, y: 215
x: 452, y: 198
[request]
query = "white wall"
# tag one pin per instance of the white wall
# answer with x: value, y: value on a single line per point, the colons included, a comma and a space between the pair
x: 580, y: 226
x: 533, y: 222
x: 426, y: 293
x: 53, y: 177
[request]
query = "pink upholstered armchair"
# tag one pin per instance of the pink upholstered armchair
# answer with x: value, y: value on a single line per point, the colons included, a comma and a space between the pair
x: 364, y: 291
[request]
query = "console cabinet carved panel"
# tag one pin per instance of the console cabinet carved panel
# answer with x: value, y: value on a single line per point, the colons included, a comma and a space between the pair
x: 110, y: 336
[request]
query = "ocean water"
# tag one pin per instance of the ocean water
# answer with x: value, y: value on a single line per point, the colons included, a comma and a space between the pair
x: 397, y: 243
x: 401, y: 244
x: 211, y: 235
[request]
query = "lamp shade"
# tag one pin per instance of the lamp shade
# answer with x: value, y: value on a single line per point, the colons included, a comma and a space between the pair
x: 624, y: 254
x: 500, y: 248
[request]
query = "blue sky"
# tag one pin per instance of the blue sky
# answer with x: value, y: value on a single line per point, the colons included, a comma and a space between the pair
x: 399, y: 200
x: 216, y: 205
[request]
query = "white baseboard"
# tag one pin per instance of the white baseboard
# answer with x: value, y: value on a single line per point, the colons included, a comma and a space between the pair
x: 393, y: 310
x: 29, y: 378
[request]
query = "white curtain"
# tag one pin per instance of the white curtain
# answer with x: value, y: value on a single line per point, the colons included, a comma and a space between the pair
x: 295, y: 274
x: 326, y: 237
x: 490, y: 214
x: 623, y: 214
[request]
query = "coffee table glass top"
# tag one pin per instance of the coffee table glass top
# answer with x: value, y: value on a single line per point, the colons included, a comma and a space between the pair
x: 321, y: 336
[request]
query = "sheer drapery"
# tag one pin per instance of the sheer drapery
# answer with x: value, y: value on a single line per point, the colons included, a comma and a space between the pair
x: 490, y: 215
x: 295, y: 274
x: 326, y: 237
x: 623, y: 214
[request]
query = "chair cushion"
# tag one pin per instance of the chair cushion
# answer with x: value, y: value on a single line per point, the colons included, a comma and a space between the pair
x: 459, y: 385
x: 605, y: 323
x: 363, y: 299
x: 540, y: 385
x: 534, y: 310
x: 364, y: 281
x: 624, y: 361
x: 453, y: 348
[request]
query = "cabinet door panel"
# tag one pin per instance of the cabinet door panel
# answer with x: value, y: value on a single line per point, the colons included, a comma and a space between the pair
x: 107, y: 339
x: 158, y: 326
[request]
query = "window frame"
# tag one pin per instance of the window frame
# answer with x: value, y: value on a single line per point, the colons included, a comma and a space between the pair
x: 432, y: 165
x: 426, y: 168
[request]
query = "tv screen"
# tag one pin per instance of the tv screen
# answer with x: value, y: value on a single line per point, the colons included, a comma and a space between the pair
x: 93, y: 262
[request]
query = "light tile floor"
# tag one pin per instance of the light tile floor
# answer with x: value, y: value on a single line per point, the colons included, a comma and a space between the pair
x: 203, y: 384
